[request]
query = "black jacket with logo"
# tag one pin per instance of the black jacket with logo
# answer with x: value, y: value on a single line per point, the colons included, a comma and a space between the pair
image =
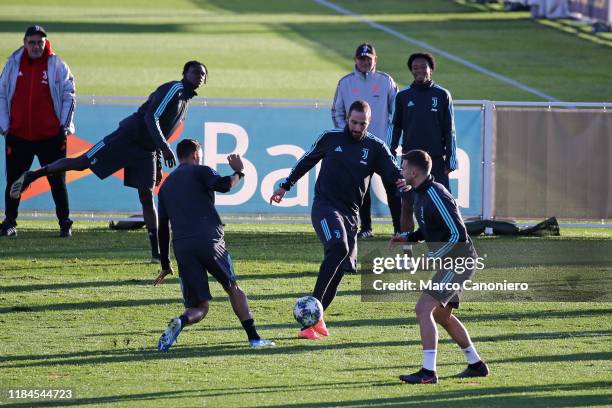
x: 440, y: 222
x: 346, y: 168
x: 423, y: 118
x: 157, y: 119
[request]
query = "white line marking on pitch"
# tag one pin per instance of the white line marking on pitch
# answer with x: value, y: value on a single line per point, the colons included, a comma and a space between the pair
x: 436, y: 50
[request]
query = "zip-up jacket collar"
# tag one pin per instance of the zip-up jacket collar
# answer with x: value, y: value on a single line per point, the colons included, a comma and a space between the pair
x: 425, y: 184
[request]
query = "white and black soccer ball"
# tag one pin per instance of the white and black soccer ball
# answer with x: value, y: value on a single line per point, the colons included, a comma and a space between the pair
x: 308, y: 311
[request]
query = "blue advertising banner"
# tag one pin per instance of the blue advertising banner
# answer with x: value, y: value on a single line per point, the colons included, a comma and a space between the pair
x: 270, y: 140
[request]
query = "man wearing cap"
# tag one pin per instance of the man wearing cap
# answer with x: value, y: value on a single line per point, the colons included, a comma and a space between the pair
x: 37, y: 100
x: 378, y: 89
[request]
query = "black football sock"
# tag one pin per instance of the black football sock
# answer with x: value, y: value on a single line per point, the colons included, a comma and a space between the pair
x: 249, y: 328
x: 39, y: 173
x: 154, y: 242
x: 184, y: 320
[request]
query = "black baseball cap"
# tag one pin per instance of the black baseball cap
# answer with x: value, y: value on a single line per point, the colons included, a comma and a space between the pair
x: 365, y: 50
x: 35, y: 29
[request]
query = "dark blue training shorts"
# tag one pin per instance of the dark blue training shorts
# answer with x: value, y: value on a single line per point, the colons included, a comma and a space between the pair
x: 117, y: 151
x: 195, y: 259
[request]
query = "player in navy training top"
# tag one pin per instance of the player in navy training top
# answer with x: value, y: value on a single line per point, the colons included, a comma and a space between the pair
x: 442, y: 228
x: 349, y: 157
x: 187, y: 203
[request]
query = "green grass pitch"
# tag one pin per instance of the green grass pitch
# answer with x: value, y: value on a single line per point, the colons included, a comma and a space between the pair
x: 82, y: 313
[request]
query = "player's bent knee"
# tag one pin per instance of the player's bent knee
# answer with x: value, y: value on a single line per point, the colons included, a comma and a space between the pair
x: 423, y: 309
x: 232, y: 288
x: 340, y: 250
x: 441, y: 318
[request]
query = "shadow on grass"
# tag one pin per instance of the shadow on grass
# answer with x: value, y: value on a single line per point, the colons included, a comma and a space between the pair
x: 512, y: 396
x: 183, y: 352
x: 229, y: 348
x: 493, y: 362
x: 80, y: 306
x: 466, y: 397
x: 118, y: 246
x: 51, y: 286
x: 131, y: 282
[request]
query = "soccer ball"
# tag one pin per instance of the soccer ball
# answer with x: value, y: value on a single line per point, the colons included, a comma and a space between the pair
x: 308, y: 311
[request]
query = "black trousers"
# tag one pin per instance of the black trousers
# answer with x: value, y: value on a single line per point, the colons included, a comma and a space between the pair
x: 338, y: 234
x: 395, y: 207
x: 19, y: 158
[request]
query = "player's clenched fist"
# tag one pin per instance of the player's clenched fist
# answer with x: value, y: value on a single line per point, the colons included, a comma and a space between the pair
x: 278, y: 195
x: 235, y: 162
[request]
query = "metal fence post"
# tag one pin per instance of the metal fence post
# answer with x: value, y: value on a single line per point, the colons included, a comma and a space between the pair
x: 488, y: 163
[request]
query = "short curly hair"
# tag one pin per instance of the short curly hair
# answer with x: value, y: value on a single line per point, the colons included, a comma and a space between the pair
x: 431, y: 61
x: 190, y: 64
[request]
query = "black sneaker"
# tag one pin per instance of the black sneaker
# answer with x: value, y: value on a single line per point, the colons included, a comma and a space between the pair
x: 65, y: 228
x: 479, y: 369
x: 365, y: 233
x: 8, y: 229
x: 20, y: 185
x: 423, y: 376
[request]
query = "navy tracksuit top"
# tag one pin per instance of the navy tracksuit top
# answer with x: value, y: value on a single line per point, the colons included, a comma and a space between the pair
x: 346, y: 168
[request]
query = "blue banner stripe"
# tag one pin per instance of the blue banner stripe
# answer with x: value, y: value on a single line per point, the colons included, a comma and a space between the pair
x: 284, y: 129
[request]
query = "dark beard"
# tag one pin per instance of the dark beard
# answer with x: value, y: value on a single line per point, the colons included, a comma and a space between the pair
x: 361, y: 136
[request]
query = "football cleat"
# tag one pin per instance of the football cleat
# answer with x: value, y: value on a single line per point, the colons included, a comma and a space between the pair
x: 20, y: 185
x: 65, y: 228
x: 8, y: 229
x: 423, y: 376
x: 321, y: 328
x: 309, y: 333
x: 261, y: 343
x: 363, y: 234
x: 479, y: 369
x: 169, y: 335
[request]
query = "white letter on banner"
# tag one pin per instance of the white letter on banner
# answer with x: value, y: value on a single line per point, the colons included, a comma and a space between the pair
x: 269, y: 183
x: 212, y: 130
x: 462, y: 175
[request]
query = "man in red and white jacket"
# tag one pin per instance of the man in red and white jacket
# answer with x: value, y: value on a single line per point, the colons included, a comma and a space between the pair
x: 37, y: 101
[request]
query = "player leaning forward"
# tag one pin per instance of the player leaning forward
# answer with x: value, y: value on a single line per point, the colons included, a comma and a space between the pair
x: 187, y: 203
x: 133, y: 145
x: 349, y: 157
x: 441, y: 226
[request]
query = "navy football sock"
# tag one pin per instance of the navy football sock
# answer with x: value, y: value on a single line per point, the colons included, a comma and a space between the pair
x: 249, y: 328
